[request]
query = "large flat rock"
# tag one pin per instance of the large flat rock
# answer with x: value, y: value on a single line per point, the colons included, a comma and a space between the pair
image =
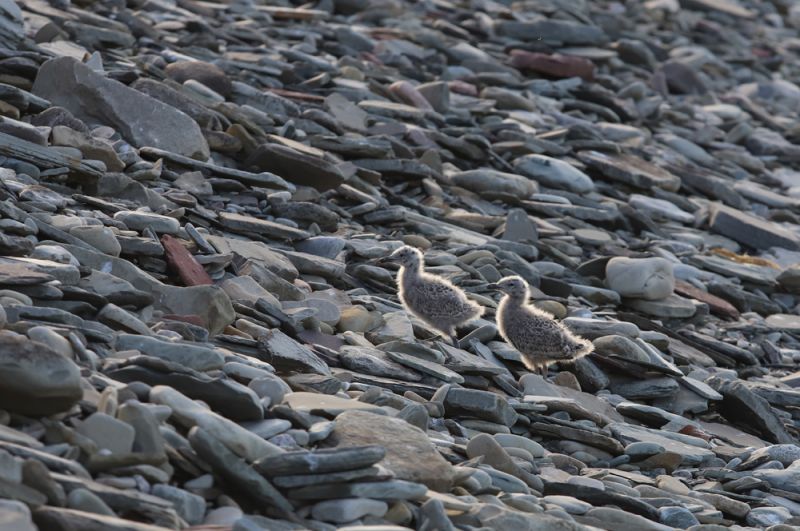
x: 409, y: 452
x: 750, y: 230
x: 142, y: 120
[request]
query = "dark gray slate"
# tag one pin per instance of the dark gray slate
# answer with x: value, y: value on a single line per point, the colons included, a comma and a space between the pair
x: 140, y: 119
x: 296, y: 167
x: 742, y: 406
x: 750, y: 230
x: 557, y: 31
x: 479, y: 404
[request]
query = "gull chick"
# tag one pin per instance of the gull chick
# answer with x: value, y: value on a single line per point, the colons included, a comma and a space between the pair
x: 433, y: 299
x: 534, y: 333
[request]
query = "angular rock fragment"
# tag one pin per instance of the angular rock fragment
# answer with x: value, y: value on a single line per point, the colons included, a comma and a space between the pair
x: 750, y: 230
x: 288, y: 355
x: 631, y: 170
x: 233, y: 469
x: 741, y: 405
x: 142, y: 120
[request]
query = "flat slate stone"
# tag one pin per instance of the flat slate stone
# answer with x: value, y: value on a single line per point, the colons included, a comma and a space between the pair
x: 597, y: 496
x: 692, y: 455
x: 241, y: 222
x: 717, y: 305
x: 673, y: 306
x: 579, y: 435
x: 286, y: 354
x: 142, y: 120
x: 60, y: 519
x: 749, y: 272
x: 551, y: 30
x: 316, y: 404
x: 395, y: 489
x: 739, y: 403
x: 14, y: 274
x: 375, y: 362
x: 729, y: 7
x: 631, y: 170
x: 321, y: 461
x: 428, y: 367
x: 231, y: 468
x: 478, y: 404
x: 750, y: 230
x: 306, y: 480
x: 296, y: 167
x: 197, y: 357
x: 43, y: 157
x: 226, y: 397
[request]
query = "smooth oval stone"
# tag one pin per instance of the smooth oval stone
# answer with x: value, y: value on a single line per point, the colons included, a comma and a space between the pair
x: 645, y: 278
x: 508, y: 440
x: 554, y: 173
x: 55, y: 341
x: 99, y: 237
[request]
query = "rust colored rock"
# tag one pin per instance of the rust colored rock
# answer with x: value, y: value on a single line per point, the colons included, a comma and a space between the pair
x: 208, y: 74
x: 695, y: 432
x: 716, y: 304
x: 462, y: 87
x: 182, y: 261
x: 409, y: 94
x: 191, y: 319
x: 299, y: 96
x: 555, y: 65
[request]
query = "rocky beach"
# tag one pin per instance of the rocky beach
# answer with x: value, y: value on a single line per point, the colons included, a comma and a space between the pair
x: 198, y: 331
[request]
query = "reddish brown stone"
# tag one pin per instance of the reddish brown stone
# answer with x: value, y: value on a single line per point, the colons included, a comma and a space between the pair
x: 182, y: 261
x: 191, y: 319
x: 300, y: 96
x: 694, y: 432
x: 293, y: 13
x: 409, y: 94
x: 462, y: 87
x: 716, y: 304
x: 371, y: 58
x: 555, y: 65
x: 208, y: 74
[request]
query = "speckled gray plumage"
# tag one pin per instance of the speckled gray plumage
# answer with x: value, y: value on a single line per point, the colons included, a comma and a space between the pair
x: 534, y: 333
x: 433, y: 299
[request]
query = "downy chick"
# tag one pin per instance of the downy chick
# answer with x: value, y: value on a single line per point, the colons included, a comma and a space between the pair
x: 534, y: 333
x: 433, y: 299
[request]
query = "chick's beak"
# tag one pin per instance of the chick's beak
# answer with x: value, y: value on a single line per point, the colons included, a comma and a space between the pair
x: 492, y: 286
